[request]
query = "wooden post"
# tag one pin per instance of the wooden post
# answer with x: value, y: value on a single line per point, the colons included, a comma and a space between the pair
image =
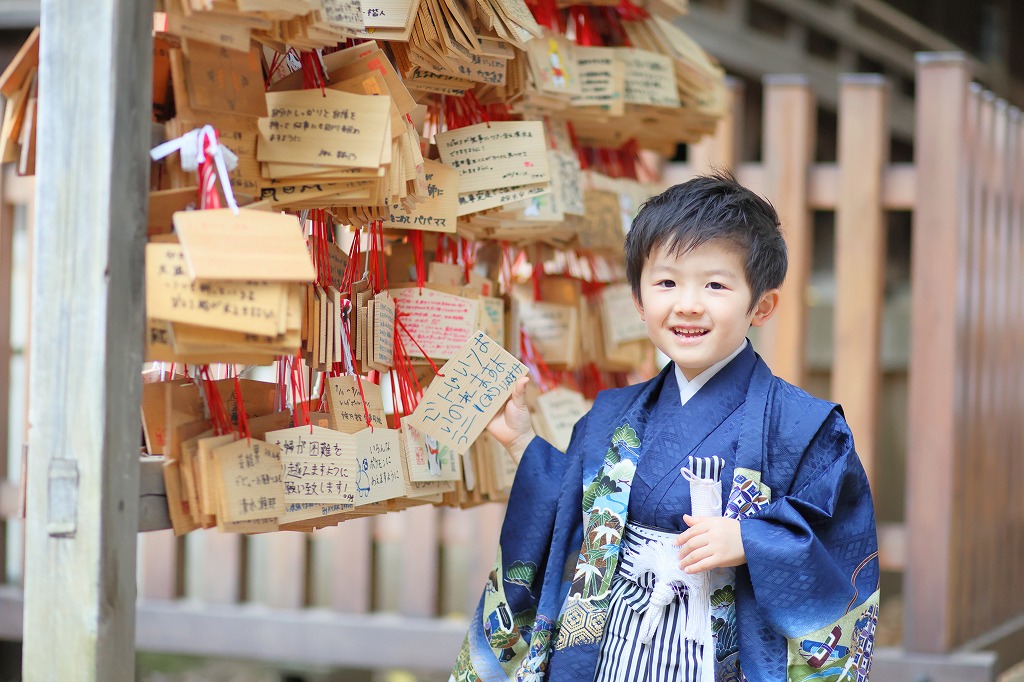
x: 937, y: 350
x: 789, y: 125
x: 6, y: 352
x: 420, y: 562
x: 95, y: 82
x: 860, y: 257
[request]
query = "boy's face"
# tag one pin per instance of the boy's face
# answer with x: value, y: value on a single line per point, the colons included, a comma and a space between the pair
x: 696, y: 305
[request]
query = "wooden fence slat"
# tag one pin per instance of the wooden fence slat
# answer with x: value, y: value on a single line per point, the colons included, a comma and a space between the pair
x: 93, y: 137
x: 342, y: 566
x: 975, y: 466
x: 213, y: 566
x: 158, y: 565
x: 6, y: 352
x: 419, y: 563
x: 1003, y: 397
x: 276, y: 569
x: 1015, y: 407
x: 789, y: 124
x: 456, y: 540
x: 1014, y: 529
x: 977, y: 141
x: 860, y: 258
x: 936, y: 349
x: 388, y: 533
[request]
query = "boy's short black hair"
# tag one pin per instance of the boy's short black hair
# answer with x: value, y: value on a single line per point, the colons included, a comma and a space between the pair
x: 710, y: 208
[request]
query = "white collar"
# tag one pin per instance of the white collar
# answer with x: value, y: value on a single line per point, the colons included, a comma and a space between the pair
x: 689, y: 388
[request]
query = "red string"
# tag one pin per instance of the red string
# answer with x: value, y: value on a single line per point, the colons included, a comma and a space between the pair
x: 586, y: 31
x: 547, y: 15
x: 353, y: 265
x: 215, y: 403
x: 416, y: 239
x: 469, y: 250
x: 243, y: 417
x: 401, y: 324
x: 405, y: 376
x: 300, y: 415
x: 209, y: 198
x: 538, y: 272
x: 531, y: 356
x: 359, y: 381
x: 630, y: 12
x: 313, y: 75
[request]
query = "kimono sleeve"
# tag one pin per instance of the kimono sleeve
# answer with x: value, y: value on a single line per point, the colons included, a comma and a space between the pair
x: 812, y: 557
x: 510, y: 620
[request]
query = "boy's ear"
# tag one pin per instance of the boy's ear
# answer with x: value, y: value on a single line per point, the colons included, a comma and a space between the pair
x: 766, y: 307
x: 639, y: 306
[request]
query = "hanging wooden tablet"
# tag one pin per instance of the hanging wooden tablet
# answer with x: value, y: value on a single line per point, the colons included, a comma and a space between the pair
x: 476, y: 382
x: 220, y: 245
x: 249, y: 480
x: 561, y: 408
x: 336, y: 305
x: 383, y: 333
x: 318, y: 465
x: 257, y: 308
x: 440, y: 322
x: 350, y: 401
x: 378, y: 465
x: 621, y: 321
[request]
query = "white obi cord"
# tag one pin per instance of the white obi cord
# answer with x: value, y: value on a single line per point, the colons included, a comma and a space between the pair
x: 657, y: 555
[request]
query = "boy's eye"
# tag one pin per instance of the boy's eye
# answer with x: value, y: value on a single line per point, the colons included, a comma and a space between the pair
x: 665, y: 283
x: 716, y: 285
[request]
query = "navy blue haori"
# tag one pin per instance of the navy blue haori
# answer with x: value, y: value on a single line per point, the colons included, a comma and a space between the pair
x: 803, y: 607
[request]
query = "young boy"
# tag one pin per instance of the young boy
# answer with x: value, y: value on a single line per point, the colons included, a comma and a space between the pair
x: 713, y: 523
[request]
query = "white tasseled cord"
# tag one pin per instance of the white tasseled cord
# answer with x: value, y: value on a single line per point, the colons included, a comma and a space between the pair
x: 662, y: 559
x: 705, y: 500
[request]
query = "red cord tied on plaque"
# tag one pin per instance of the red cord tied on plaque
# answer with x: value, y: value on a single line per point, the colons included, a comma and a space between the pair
x: 243, y: 416
x: 376, y: 270
x: 406, y: 390
x: 214, y: 402
x: 314, y: 75
x: 416, y: 239
x: 300, y: 405
x: 200, y: 151
x: 531, y: 357
x: 547, y: 15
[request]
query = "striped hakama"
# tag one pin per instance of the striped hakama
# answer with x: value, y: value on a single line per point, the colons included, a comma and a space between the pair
x: 669, y: 656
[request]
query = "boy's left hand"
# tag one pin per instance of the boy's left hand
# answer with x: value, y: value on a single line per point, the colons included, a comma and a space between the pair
x: 710, y: 542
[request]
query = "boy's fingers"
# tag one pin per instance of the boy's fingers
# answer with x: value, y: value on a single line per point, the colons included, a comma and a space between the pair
x: 686, y: 536
x: 693, y: 544
x: 519, y: 392
x: 695, y: 557
x: 704, y: 565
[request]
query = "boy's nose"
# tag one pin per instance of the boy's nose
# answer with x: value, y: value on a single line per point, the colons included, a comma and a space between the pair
x: 689, y: 303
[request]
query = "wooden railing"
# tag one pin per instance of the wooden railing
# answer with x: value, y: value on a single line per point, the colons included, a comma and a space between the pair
x: 379, y: 592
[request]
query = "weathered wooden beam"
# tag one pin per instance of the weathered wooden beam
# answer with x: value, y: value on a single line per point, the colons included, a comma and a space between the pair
x: 934, y: 443
x: 6, y: 351
x: 95, y: 81
x: 789, y: 123
x: 860, y: 259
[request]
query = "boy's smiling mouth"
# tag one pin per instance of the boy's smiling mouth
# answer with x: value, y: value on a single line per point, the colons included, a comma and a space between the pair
x: 689, y: 332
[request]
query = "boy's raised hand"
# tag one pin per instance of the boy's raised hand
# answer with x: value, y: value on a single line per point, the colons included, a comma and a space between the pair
x: 710, y: 542
x: 511, y: 425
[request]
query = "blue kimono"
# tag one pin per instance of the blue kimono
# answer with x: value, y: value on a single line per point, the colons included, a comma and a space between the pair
x: 804, y: 606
